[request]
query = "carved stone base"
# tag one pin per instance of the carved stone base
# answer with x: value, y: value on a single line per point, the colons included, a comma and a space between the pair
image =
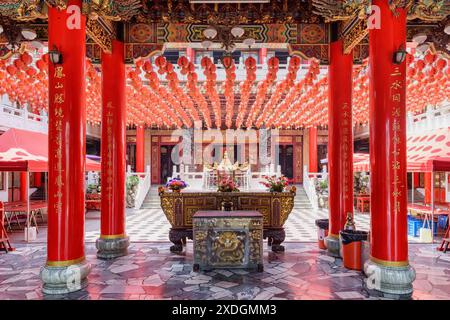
x: 274, y: 239
x: 178, y: 238
x: 333, y: 246
x: 63, y: 280
x: 112, y: 248
x: 389, y: 282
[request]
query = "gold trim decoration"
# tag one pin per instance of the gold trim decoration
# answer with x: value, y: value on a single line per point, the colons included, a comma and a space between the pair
x: 333, y: 10
x: 65, y: 263
x: 353, y: 35
x: 386, y: 263
x: 102, y: 34
x: 431, y: 11
x: 113, y: 236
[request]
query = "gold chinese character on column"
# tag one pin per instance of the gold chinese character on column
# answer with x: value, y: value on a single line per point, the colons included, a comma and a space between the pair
x: 59, y: 72
x: 59, y: 98
x: 397, y: 84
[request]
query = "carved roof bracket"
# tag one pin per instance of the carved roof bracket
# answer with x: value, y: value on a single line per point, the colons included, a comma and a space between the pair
x: 102, y: 32
x: 352, y: 32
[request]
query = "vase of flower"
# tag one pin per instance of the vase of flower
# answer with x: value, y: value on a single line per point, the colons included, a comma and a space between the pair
x: 275, y: 184
x: 227, y: 185
x: 176, y: 185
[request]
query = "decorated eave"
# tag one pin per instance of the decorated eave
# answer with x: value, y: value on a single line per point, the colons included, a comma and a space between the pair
x: 303, y: 25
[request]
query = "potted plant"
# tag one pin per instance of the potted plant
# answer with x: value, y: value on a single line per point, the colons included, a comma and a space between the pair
x: 176, y: 185
x: 132, y: 185
x: 275, y: 184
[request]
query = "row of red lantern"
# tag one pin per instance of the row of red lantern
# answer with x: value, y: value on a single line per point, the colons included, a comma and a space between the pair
x: 304, y: 102
x: 209, y: 71
x: 261, y: 92
x: 245, y: 89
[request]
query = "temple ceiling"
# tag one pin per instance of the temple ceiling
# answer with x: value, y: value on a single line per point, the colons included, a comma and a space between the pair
x: 303, y: 24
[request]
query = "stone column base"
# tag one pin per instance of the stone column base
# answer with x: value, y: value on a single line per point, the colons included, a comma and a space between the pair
x: 333, y: 245
x: 67, y: 279
x: 394, y: 282
x: 112, y: 248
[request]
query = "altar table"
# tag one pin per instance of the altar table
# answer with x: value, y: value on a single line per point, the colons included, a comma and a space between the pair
x: 228, y: 239
x: 180, y: 207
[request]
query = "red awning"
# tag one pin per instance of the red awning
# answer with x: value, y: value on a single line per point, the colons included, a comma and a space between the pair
x: 425, y: 153
x: 22, y: 150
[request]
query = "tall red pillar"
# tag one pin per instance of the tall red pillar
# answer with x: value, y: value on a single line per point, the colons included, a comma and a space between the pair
x: 113, y: 241
x: 262, y: 55
x: 23, y: 186
x: 37, y: 179
x: 140, y: 149
x: 388, y: 269
x: 66, y: 268
x: 427, y: 184
x: 340, y: 142
x: 190, y: 53
x: 313, y: 163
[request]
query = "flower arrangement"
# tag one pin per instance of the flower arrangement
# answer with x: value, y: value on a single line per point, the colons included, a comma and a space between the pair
x: 227, y: 185
x: 275, y: 184
x: 176, y: 184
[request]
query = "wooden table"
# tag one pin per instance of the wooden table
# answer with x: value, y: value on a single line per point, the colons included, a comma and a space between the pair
x: 4, y: 239
x: 20, y: 207
x: 228, y: 239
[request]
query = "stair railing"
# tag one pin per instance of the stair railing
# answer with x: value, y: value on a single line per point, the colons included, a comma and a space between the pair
x: 143, y: 187
x: 310, y: 188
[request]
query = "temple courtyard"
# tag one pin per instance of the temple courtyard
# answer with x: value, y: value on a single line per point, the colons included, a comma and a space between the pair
x: 151, y: 271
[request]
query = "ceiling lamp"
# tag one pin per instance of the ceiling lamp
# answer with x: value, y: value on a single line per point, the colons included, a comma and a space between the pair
x: 419, y: 38
x: 237, y: 32
x: 29, y: 34
x: 447, y: 29
x: 249, y: 42
x: 423, y: 47
x: 37, y: 44
x: 207, y: 44
x: 210, y: 33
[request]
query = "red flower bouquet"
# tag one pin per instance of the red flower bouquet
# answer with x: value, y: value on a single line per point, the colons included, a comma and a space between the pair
x: 275, y: 184
x: 227, y: 185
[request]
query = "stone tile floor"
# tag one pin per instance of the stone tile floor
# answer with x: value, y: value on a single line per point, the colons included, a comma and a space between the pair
x: 150, y: 271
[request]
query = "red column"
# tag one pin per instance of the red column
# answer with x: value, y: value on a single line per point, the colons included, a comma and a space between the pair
x: 262, y: 55
x: 387, y: 113
x: 113, y: 241
x: 416, y: 179
x: 340, y: 142
x: 23, y: 186
x: 67, y: 136
x: 37, y: 179
x: 140, y: 149
x: 190, y: 53
x: 427, y: 184
x: 313, y: 165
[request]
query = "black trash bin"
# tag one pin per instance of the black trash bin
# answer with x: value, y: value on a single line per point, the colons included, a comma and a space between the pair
x: 352, y: 248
